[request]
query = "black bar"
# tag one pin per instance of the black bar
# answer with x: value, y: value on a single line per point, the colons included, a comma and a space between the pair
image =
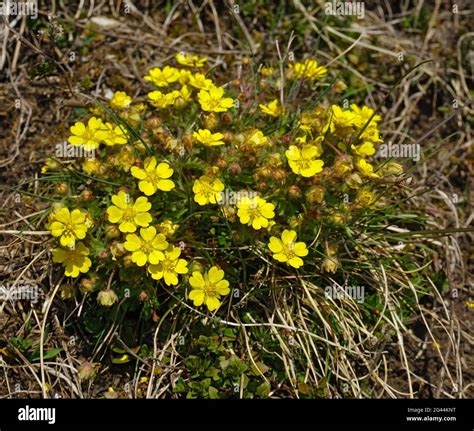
x: 451, y: 414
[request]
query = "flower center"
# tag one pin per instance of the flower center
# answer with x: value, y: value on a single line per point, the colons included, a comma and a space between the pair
x: 209, y: 289
x: 305, y: 163
x: 254, y: 212
x: 147, y: 248
x: 153, y: 177
x: 214, y: 103
x: 168, y: 265
x: 289, y: 250
x: 89, y: 135
x: 128, y: 214
x: 207, y: 189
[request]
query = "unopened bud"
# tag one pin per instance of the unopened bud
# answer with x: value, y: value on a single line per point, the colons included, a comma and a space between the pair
x: 107, y: 298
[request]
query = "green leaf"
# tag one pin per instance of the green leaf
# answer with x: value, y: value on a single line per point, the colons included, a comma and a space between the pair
x: 263, y: 390
x: 213, y: 393
x: 259, y: 369
x: 49, y: 354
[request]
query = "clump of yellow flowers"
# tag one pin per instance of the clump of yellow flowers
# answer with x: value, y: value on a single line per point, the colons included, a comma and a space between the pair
x: 194, y: 170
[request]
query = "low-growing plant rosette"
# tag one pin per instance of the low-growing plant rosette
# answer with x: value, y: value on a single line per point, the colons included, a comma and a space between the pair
x: 195, y: 179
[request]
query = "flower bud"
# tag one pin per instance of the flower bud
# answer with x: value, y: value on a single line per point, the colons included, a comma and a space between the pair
x: 354, y: 181
x: 87, y: 195
x: 221, y: 163
x: 210, y: 121
x: 127, y: 261
x: 274, y: 160
x: 226, y: 117
x: 235, y: 168
x: 330, y: 263
x: 143, y: 296
x: 229, y: 213
x: 103, y: 254
x: 107, y: 298
x: 391, y: 168
x: 315, y: 195
x: 294, y: 191
x: 342, y: 166
x: 67, y: 291
x: 86, y: 371
x: 339, y: 86
x: 117, y: 249
x: 187, y: 141
x: 279, y: 174
x: 62, y: 189
x: 87, y: 285
x: 153, y: 123
x: 195, y: 266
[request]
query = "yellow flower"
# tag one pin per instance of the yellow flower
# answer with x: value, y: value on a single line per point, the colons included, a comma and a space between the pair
x: 50, y: 164
x: 163, y: 77
x: 256, y: 138
x: 342, y: 166
x: 184, y: 93
x: 128, y: 213
x: 69, y: 226
x: 163, y: 100
x: 169, y: 267
x: 184, y: 76
x: 303, y: 162
x: 153, y: 177
x: 255, y: 211
x: 167, y: 227
x: 74, y: 259
x: 88, y: 136
x: 190, y: 60
x: 148, y: 247
x: 209, y: 288
x: 207, y: 138
x: 365, y: 168
x: 362, y: 115
x: 213, y: 100
x: 309, y: 69
x: 207, y: 190
x: 372, y: 134
x: 199, y: 81
x: 125, y: 158
x: 273, y: 108
x: 115, y: 135
x: 365, y: 149
x: 365, y: 197
x: 92, y: 166
x: 266, y: 71
x: 287, y: 250
x: 340, y: 119
x: 120, y: 100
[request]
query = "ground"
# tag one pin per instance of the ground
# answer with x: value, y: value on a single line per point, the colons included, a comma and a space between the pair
x: 52, y: 67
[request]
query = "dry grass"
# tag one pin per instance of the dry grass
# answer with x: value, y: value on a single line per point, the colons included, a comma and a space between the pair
x: 431, y: 356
